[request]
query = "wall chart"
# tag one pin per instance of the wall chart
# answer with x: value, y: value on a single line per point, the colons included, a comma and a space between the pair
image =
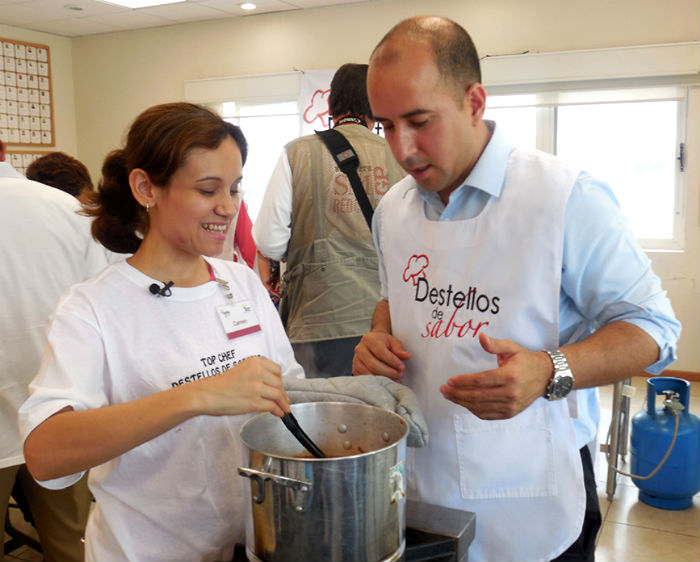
x: 26, y: 97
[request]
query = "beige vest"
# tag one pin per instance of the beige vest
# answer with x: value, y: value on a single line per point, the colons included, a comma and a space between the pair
x: 331, y: 285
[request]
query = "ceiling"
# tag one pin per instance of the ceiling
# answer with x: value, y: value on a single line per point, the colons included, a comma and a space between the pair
x: 73, y: 18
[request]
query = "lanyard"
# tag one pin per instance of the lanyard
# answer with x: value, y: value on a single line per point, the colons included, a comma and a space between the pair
x: 221, y: 282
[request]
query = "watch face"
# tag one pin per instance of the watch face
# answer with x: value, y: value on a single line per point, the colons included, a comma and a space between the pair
x: 562, y: 386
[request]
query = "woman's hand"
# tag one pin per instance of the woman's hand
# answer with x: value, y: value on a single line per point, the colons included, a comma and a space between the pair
x: 254, y: 385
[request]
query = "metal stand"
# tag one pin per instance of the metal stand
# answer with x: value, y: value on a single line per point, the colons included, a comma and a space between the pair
x: 17, y: 538
x: 619, y: 433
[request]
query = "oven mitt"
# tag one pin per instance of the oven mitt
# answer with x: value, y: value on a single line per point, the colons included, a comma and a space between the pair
x: 364, y: 389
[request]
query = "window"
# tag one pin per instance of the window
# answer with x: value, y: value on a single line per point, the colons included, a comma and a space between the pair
x: 632, y: 147
x: 629, y: 139
x: 267, y: 128
x: 519, y: 124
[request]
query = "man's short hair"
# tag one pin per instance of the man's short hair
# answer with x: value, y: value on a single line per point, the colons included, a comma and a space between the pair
x: 60, y: 170
x: 349, y: 91
x: 455, y: 54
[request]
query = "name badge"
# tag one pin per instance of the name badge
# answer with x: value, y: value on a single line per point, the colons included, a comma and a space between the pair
x: 238, y: 319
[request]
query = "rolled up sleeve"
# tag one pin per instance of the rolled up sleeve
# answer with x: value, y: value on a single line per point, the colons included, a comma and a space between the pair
x: 607, y: 277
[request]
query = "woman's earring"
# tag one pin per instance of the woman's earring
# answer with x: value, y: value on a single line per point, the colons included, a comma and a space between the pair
x: 147, y: 207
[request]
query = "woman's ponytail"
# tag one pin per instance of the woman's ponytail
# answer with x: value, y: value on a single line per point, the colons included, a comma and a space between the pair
x: 119, y: 220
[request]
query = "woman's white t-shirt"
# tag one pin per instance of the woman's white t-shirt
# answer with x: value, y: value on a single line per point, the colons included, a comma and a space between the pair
x: 178, y: 496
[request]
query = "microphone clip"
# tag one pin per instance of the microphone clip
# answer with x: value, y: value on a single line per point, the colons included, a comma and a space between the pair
x: 163, y: 291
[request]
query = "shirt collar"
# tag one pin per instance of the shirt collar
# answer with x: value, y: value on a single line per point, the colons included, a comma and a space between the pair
x: 489, y: 171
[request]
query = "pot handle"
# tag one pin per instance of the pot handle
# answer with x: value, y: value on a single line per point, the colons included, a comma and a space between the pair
x: 300, y: 486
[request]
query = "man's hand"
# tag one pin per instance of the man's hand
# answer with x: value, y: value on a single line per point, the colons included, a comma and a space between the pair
x: 271, y: 282
x: 379, y: 353
x: 502, y: 393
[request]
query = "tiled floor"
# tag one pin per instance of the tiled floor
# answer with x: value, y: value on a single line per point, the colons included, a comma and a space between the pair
x: 632, y: 531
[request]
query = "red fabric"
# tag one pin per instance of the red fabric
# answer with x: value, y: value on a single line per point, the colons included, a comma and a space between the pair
x: 243, y: 236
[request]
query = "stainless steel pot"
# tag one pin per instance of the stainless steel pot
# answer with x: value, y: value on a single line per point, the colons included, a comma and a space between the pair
x: 348, y: 507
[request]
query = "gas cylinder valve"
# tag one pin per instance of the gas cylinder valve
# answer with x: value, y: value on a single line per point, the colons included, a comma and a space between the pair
x: 672, y: 401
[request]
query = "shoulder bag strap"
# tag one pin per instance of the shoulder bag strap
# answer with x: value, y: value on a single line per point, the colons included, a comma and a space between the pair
x: 344, y: 155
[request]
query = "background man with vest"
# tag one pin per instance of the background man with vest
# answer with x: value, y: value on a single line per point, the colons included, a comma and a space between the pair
x: 311, y: 219
x: 46, y: 247
x: 508, y: 278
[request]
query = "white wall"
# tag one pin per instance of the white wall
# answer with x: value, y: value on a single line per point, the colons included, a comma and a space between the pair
x: 118, y: 75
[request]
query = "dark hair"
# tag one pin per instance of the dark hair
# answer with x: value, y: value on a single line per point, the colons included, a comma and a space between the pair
x: 60, y: 170
x: 453, y: 49
x: 349, y: 91
x: 158, y: 142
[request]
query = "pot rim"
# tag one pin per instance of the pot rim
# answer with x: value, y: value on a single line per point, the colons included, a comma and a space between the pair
x: 404, y: 437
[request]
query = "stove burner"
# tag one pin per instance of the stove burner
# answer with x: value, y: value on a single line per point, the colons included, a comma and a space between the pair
x: 437, y: 534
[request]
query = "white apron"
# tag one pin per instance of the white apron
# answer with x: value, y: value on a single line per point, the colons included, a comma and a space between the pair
x: 498, y: 273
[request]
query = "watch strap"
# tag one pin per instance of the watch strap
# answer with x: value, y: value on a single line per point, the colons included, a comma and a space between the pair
x: 562, y: 379
x: 559, y: 360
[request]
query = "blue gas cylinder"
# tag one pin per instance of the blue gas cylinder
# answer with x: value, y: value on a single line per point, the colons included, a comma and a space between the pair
x: 678, y: 480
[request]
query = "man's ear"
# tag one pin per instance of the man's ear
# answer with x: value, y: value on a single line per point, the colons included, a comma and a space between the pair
x: 141, y: 187
x: 475, y: 99
x: 3, y: 148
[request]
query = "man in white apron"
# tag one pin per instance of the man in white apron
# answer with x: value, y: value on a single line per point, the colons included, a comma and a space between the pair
x: 496, y: 266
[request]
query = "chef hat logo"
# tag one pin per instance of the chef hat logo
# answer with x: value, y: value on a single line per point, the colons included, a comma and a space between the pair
x: 416, y: 268
x: 318, y: 108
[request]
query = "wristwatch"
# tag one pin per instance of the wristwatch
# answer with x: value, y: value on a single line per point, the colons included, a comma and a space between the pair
x: 562, y: 381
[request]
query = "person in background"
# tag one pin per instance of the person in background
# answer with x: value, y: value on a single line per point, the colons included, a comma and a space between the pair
x: 68, y: 174
x: 239, y: 245
x: 152, y: 366
x: 45, y: 248
x: 62, y: 171
x: 310, y: 218
x: 508, y: 279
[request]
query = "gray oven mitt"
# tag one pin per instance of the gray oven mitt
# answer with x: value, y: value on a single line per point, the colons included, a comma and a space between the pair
x: 364, y: 389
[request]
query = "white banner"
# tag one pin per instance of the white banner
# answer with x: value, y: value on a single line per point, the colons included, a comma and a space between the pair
x: 313, y: 100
